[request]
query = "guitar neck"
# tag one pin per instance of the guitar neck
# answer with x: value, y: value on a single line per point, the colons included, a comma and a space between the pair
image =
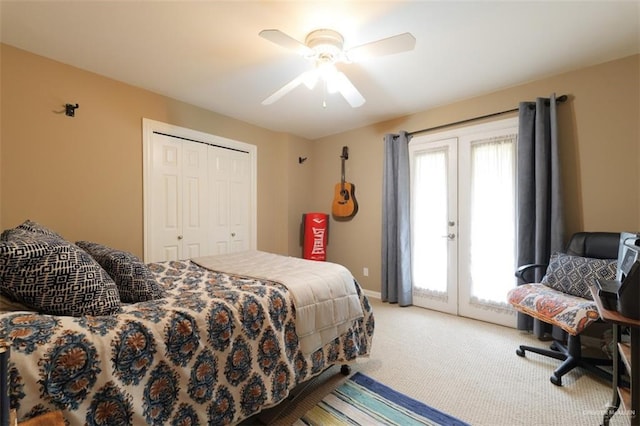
x: 344, y: 156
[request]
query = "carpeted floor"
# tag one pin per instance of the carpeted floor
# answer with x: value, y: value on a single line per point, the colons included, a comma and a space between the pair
x: 465, y: 368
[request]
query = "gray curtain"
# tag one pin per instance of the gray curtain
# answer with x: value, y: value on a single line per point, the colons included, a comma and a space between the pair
x: 540, y: 210
x: 396, y: 232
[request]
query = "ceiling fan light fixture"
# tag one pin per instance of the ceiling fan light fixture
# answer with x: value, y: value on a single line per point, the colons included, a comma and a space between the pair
x: 310, y: 79
x: 329, y: 75
x: 327, y: 45
x: 325, y: 48
x: 326, y: 69
x: 332, y: 86
x: 336, y: 83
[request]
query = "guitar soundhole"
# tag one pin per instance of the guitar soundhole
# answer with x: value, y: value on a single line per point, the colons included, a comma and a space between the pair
x: 345, y: 196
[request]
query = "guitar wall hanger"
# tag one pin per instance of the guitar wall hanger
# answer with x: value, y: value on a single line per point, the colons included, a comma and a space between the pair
x: 344, y: 205
x: 70, y: 110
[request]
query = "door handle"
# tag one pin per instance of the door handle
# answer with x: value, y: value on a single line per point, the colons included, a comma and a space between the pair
x: 450, y: 237
x: 180, y: 237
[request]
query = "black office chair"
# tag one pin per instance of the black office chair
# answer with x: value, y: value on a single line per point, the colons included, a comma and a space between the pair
x: 562, y: 298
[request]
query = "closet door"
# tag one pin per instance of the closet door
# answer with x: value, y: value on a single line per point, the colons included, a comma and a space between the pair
x: 230, y: 200
x: 195, y: 211
x: 178, y: 222
x: 200, y: 193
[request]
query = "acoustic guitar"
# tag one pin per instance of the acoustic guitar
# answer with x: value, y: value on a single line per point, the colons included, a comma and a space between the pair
x: 344, y: 200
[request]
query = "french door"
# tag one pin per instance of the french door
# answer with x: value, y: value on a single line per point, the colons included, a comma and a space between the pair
x: 463, y: 201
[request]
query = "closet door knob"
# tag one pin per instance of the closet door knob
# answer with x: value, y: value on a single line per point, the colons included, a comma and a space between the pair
x: 233, y: 234
x: 179, y: 237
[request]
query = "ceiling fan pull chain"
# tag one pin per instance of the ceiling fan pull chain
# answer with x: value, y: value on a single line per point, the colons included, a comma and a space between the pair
x: 324, y: 93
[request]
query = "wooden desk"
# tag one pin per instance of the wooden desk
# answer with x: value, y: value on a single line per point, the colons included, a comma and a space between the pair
x: 53, y: 418
x: 630, y: 356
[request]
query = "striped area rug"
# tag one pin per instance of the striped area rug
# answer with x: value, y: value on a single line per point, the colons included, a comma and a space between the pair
x: 363, y: 401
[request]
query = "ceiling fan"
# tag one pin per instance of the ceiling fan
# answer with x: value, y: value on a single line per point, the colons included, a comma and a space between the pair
x: 325, y: 48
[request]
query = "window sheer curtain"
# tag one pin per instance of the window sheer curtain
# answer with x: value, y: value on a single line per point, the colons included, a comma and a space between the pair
x: 429, y: 199
x: 493, y: 194
x: 540, y: 213
x: 396, y: 231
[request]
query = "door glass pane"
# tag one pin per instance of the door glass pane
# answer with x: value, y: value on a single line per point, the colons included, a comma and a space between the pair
x: 429, y: 204
x: 492, y: 247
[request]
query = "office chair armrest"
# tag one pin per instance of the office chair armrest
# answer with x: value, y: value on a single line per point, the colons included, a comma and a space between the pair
x: 527, y: 269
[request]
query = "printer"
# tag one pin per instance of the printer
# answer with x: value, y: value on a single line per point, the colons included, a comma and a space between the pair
x: 623, y: 293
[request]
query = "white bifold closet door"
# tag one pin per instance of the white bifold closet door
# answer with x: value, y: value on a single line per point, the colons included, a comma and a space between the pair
x: 229, y: 201
x: 178, y: 217
x: 198, y: 199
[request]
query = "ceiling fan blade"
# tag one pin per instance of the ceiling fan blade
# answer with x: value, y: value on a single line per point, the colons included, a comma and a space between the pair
x: 307, y: 77
x: 386, y: 46
x: 288, y: 42
x: 348, y: 90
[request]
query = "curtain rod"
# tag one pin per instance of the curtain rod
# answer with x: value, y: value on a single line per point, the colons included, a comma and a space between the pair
x: 559, y: 99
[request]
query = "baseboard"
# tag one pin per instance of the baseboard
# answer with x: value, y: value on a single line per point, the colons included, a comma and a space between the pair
x: 372, y: 294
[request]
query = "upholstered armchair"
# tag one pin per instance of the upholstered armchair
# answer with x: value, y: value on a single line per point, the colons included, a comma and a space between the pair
x: 562, y: 298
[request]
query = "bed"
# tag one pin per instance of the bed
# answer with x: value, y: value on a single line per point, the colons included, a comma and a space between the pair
x: 200, y: 344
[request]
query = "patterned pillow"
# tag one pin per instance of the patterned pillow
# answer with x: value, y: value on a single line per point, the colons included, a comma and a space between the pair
x: 28, y: 227
x: 574, y: 274
x: 135, y: 281
x: 53, y: 276
x: 31, y: 226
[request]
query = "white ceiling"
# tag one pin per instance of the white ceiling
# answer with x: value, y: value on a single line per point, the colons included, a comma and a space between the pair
x: 208, y: 53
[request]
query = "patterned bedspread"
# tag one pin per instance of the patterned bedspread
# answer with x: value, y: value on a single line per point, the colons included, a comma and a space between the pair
x: 216, y: 350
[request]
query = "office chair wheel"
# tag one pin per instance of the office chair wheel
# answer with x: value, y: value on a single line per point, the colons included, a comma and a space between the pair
x: 556, y: 380
x: 520, y: 352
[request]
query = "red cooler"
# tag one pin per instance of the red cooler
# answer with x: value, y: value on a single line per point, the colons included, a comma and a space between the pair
x: 315, y: 236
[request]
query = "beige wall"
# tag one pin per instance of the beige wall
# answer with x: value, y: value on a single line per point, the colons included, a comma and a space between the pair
x: 300, y: 186
x: 82, y: 176
x: 599, y: 135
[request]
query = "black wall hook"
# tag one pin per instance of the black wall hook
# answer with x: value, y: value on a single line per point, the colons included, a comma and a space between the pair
x: 302, y: 160
x: 70, y: 110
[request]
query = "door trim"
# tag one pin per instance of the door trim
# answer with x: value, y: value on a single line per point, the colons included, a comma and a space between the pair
x: 149, y: 127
